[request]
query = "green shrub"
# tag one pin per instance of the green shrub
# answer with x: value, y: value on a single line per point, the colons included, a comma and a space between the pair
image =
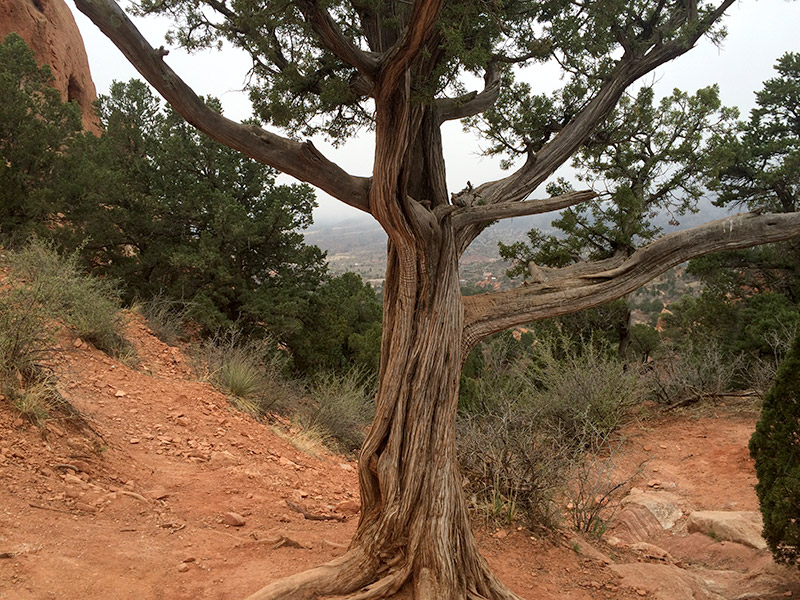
x: 26, y: 336
x: 587, y: 391
x: 775, y: 446
x: 26, y: 342
x: 89, y: 306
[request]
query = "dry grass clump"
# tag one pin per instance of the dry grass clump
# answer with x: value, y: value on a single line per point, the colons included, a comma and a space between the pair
x: 250, y: 371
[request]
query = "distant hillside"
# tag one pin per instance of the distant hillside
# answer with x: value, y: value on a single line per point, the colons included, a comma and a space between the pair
x: 358, y: 243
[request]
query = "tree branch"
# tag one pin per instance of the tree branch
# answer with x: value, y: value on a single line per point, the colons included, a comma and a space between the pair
x: 539, y: 166
x: 590, y: 284
x: 473, y: 103
x: 334, y: 40
x: 300, y: 160
x: 419, y: 30
x: 506, y: 210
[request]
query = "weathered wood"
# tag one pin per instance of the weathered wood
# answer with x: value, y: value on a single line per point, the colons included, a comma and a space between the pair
x: 590, y: 284
x: 462, y: 217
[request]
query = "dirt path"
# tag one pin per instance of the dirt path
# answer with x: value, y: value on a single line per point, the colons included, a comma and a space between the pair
x: 177, y: 496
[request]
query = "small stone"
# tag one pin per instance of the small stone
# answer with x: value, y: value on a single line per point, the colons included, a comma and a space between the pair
x: 158, y: 494
x: 18, y: 422
x: 189, y: 559
x: 134, y: 440
x: 183, y: 567
x: 346, y: 467
x: 233, y: 519
x: 78, y: 342
x: 348, y: 507
x: 120, y: 394
x: 85, y: 507
x: 500, y: 534
x: 285, y: 462
x: 654, y: 483
x: 641, y: 592
x: 73, y: 479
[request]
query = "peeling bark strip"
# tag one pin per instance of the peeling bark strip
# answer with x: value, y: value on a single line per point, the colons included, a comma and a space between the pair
x: 414, y: 529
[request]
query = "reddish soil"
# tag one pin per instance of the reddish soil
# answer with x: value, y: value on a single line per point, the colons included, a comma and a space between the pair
x: 136, y: 509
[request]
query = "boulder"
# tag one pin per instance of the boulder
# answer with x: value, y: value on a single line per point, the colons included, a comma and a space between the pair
x: 743, y: 527
x: 50, y: 30
x: 664, y: 582
x: 663, y: 505
x: 634, y: 523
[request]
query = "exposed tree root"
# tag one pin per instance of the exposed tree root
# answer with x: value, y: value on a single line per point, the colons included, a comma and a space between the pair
x: 355, y: 577
x: 385, y: 587
x: 341, y: 576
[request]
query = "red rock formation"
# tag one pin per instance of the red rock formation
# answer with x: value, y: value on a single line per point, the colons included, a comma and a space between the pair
x: 50, y: 30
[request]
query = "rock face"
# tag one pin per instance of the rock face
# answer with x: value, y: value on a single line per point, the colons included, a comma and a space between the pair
x: 50, y: 30
x: 742, y: 527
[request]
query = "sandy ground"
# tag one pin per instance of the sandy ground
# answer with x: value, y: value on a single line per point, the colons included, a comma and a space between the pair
x: 139, y: 509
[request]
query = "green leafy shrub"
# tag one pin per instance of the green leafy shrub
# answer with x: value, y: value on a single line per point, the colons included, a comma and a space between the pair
x: 775, y: 446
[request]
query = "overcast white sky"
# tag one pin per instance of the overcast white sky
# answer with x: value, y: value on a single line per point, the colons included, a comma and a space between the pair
x: 758, y: 33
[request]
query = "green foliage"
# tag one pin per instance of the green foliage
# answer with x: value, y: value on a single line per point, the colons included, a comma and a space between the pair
x: 184, y: 221
x: 645, y: 341
x: 758, y: 166
x: 35, y: 127
x: 299, y: 84
x: 178, y: 215
x: 754, y: 325
x: 26, y: 335
x: 775, y: 446
x: 42, y: 289
x: 645, y: 159
x: 341, y: 328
